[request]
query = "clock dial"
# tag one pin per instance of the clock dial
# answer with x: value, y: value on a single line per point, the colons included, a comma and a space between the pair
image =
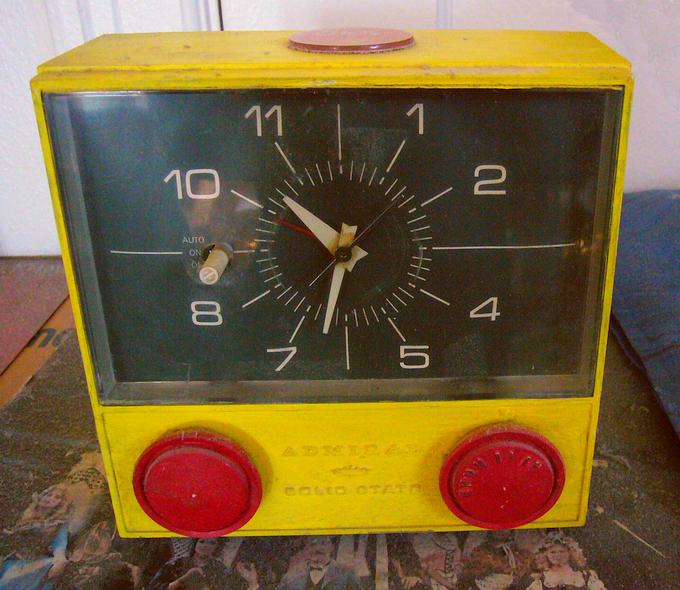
x: 419, y: 243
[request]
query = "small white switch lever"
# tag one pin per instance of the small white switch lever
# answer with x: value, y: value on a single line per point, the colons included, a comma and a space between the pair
x: 214, y: 265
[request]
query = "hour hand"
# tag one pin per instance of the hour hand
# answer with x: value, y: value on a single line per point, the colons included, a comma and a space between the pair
x: 321, y: 230
x: 347, y: 234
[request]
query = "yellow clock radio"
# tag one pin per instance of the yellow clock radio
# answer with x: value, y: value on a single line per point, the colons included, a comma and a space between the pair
x: 340, y: 281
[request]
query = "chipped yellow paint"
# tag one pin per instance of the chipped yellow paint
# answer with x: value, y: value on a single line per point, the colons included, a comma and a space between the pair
x: 347, y: 467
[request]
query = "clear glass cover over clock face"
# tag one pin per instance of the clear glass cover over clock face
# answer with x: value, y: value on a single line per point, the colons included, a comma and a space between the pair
x: 382, y: 244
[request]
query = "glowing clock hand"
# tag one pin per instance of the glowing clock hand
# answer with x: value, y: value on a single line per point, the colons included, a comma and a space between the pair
x: 336, y: 283
x: 321, y: 230
x: 326, y: 235
x: 345, y: 259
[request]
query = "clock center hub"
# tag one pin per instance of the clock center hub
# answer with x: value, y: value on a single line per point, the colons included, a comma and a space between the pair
x: 343, y: 254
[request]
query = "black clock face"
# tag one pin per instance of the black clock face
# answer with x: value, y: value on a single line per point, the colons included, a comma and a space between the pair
x: 419, y: 243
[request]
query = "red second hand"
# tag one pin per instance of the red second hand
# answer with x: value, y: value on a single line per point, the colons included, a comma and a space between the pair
x: 297, y: 228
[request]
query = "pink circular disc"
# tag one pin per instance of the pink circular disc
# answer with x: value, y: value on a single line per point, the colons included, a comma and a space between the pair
x: 351, y: 40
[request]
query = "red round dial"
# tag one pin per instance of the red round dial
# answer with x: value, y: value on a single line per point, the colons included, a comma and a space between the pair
x: 502, y: 477
x: 197, y: 484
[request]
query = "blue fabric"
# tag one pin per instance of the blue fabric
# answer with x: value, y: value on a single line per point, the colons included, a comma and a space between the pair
x: 17, y: 573
x: 647, y: 291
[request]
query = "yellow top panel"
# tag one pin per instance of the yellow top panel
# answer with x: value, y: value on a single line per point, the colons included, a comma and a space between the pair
x: 268, y: 49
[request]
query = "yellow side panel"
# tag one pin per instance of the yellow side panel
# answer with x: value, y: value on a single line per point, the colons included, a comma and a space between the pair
x: 349, y: 467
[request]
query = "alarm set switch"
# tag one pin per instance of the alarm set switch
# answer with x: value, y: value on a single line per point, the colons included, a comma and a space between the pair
x: 215, y: 264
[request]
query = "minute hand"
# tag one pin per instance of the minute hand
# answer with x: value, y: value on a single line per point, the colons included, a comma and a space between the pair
x: 372, y: 224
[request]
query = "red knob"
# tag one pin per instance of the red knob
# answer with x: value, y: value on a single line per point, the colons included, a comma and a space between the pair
x: 197, y: 484
x: 502, y: 477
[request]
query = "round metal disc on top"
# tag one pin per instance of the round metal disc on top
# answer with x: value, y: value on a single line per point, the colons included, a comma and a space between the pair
x: 351, y: 40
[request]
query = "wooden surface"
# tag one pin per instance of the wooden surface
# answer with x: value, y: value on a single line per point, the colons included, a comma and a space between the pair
x: 35, y: 354
x: 31, y: 289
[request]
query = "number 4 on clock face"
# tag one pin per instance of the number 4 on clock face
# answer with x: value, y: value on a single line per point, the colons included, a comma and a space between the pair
x: 490, y: 304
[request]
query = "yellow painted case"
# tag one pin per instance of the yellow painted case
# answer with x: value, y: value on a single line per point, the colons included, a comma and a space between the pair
x: 342, y: 467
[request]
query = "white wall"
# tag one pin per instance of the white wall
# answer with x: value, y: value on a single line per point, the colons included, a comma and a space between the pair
x: 26, y: 225
x: 314, y: 14
x: 31, y: 31
x: 647, y: 33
